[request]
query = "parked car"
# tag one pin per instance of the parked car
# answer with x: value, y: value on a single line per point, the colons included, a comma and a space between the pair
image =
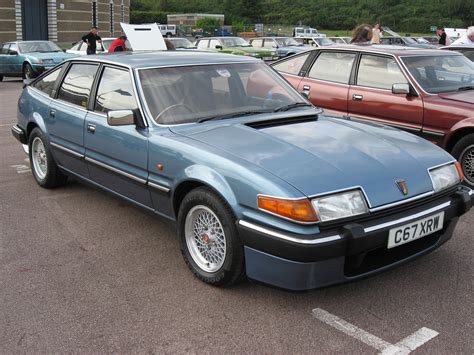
x: 235, y: 45
x: 167, y: 30
x: 28, y: 59
x: 432, y: 39
x: 405, y: 41
x: 182, y: 43
x: 306, y: 32
x: 284, y: 46
x: 426, y: 92
x: 467, y: 50
x: 340, y: 40
x: 315, y: 41
x: 80, y: 48
x: 258, y: 182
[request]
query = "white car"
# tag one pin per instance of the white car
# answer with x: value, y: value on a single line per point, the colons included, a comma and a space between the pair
x: 80, y: 47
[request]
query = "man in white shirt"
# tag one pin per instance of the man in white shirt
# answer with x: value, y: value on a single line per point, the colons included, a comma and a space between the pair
x: 468, y: 39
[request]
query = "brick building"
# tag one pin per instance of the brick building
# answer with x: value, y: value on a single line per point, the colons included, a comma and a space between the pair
x: 60, y: 20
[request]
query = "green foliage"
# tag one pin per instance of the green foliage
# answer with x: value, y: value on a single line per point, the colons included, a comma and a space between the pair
x: 401, y: 15
x: 208, y: 24
x: 148, y: 16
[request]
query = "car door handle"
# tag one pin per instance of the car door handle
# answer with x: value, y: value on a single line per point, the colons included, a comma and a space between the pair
x: 306, y: 91
x: 357, y: 97
x: 91, y: 128
x: 52, y: 113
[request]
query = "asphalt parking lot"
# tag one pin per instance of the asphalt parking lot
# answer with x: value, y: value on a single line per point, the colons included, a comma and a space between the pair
x: 81, y: 271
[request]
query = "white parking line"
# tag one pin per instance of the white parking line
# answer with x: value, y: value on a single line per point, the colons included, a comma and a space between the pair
x: 7, y: 125
x: 404, y: 346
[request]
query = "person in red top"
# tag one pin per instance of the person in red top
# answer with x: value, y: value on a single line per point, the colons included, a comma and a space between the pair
x: 118, y: 45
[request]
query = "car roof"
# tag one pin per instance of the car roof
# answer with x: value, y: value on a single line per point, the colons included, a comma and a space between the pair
x: 386, y: 49
x: 150, y: 59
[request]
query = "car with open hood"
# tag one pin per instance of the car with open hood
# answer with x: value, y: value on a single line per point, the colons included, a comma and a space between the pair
x: 28, y: 59
x: 423, y: 91
x: 235, y: 45
x: 259, y: 183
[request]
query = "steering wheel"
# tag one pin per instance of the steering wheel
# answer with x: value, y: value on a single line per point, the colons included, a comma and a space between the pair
x: 172, y: 107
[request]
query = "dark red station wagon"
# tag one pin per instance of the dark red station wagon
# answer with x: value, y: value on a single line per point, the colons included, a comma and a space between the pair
x: 424, y: 91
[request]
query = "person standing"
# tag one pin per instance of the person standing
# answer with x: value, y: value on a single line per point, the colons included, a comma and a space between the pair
x: 467, y: 39
x: 91, y: 39
x: 376, y: 33
x: 118, y: 45
x: 441, y: 36
x: 362, y: 34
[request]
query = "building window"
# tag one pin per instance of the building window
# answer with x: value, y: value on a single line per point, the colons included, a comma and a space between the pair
x: 111, y: 13
x: 94, y: 13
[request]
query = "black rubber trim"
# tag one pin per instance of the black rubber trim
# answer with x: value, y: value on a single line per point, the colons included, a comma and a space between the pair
x: 19, y: 134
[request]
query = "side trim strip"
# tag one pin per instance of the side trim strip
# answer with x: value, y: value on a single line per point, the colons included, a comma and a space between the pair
x: 408, y: 218
x: 287, y: 237
x: 67, y: 150
x: 115, y: 170
x: 158, y: 187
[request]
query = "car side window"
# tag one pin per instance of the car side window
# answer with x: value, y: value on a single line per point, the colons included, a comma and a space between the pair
x: 203, y: 44
x: 46, y: 84
x: 333, y: 66
x: 268, y: 43
x: 115, y: 91
x: 13, y: 48
x: 293, y: 65
x: 379, y: 72
x: 214, y: 43
x: 5, y: 48
x: 77, y: 84
x: 257, y: 43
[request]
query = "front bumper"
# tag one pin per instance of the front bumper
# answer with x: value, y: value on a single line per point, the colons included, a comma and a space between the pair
x: 344, y: 253
x: 19, y: 134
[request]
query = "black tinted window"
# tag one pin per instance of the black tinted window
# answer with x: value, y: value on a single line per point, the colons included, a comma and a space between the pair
x: 77, y: 84
x: 333, y: 66
x: 46, y: 84
x: 115, y: 91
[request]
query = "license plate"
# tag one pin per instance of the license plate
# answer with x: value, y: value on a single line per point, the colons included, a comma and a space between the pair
x: 415, y: 230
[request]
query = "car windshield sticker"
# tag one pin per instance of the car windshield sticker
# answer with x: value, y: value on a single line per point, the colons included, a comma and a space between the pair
x: 223, y: 72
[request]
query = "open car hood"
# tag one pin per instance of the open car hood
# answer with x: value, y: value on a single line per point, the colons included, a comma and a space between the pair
x: 144, y: 37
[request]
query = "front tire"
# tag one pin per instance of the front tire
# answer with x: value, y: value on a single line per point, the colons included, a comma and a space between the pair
x: 28, y: 72
x: 463, y: 151
x: 209, y: 240
x: 45, y: 171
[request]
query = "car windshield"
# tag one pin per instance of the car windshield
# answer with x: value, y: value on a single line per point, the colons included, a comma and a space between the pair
x: 409, y: 40
x: 40, y: 46
x: 182, y: 43
x: 196, y: 93
x: 287, y: 42
x: 323, y: 41
x: 234, y: 42
x: 437, y: 74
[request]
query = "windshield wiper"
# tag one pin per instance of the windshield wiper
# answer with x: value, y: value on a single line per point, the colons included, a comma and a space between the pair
x: 291, y: 106
x: 466, y: 88
x: 231, y: 115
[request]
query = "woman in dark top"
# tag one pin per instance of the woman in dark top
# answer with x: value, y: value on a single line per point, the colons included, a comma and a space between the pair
x: 442, y: 36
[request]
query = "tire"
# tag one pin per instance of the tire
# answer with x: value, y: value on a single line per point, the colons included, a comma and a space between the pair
x: 28, y: 72
x: 45, y: 171
x: 1, y: 77
x: 216, y: 255
x: 463, y: 151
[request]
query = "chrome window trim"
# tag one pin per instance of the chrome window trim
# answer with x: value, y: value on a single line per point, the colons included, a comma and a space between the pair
x: 65, y: 103
x: 67, y: 150
x: 407, y: 218
x: 158, y: 187
x: 287, y: 237
x: 115, y: 170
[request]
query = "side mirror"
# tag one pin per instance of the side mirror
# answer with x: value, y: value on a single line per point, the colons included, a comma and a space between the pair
x: 13, y: 53
x: 120, y: 118
x: 218, y: 46
x: 401, y: 89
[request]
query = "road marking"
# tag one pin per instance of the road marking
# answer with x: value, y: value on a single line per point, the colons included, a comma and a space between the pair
x: 7, y: 125
x: 404, y: 346
x: 20, y: 169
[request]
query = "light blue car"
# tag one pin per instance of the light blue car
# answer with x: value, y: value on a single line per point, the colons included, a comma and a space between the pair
x: 259, y: 183
x: 28, y: 59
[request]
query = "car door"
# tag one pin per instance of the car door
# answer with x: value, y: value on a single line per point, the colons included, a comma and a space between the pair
x: 117, y: 155
x: 291, y: 68
x: 14, y: 60
x: 67, y: 114
x: 371, y: 97
x: 4, y: 58
x: 327, y: 81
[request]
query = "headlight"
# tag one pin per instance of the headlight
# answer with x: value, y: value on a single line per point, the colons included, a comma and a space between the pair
x: 446, y: 176
x: 48, y: 61
x: 340, y: 205
x: 36, y: 60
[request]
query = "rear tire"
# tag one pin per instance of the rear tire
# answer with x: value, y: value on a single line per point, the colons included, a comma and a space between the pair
x: 45, y: 171
x: 209, y: 240
x: 463, y: 151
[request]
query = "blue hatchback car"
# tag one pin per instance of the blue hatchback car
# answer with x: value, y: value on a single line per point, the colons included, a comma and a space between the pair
x: 28, y: 59
x: 259, y: 183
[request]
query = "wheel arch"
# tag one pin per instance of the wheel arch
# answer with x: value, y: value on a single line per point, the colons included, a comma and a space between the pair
x: 458, y: 134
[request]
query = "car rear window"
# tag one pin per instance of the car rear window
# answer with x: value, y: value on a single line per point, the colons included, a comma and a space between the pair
x: 293, y: 65
x: 46, y: 84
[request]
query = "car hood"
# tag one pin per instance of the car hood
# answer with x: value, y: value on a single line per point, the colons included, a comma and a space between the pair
x: 462, y: 96
x: 331, y: 154
x: 57, y: 57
